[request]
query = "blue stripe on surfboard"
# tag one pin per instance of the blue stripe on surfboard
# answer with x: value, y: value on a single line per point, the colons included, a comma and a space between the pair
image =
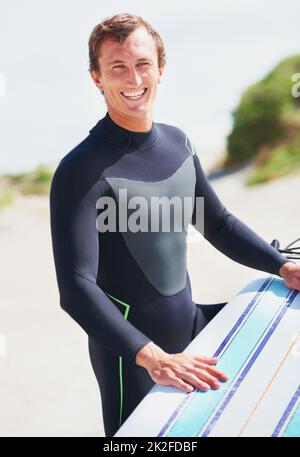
x: 292, y: 427
x: 244, y: 315
x: 240, y: 379
x: 203, y: 405
x: 189, y: 396
x: 238, y: 357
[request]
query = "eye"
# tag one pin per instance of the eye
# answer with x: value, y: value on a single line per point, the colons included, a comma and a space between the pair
x: 143, y: 63
x: 118, y: 66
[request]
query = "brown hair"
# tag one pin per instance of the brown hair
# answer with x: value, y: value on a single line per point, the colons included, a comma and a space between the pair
x: 117, y: 28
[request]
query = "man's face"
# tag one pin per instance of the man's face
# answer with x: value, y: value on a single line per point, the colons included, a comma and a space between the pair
x: 129, y: 74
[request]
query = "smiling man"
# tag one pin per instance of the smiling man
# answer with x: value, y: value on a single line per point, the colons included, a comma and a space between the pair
x: 129, y: 74
x: 130, y: 291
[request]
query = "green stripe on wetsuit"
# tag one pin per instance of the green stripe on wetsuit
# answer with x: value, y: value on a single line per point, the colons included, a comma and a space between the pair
x: 127, y: 308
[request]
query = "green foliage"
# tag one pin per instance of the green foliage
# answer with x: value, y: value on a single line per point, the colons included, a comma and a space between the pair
x: 285, y: 159
x: 265, y: 109
x: 36, y: 182
x: 6, y: 198
x: 256, y: 122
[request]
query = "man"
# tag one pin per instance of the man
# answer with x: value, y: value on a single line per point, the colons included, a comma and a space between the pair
x: 130, y: 291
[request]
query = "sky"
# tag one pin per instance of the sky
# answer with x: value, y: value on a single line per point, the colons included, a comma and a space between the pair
x: 215, y: 49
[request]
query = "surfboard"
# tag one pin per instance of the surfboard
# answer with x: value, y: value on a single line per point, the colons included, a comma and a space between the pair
x: 257, y: 339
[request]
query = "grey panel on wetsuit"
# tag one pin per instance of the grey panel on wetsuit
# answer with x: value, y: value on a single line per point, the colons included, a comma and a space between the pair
x: 161, y: 255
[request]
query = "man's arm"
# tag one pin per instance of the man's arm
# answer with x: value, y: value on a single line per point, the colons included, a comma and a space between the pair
x: 230, y: 235
x: 75, y: 246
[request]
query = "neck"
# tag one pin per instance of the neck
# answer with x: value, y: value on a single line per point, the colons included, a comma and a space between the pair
x: 134, y: 124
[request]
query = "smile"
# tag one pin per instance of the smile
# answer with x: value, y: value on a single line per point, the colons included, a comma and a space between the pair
x: 134, y: 95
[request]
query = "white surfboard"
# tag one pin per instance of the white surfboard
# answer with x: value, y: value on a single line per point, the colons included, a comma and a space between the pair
x: 257, y: 339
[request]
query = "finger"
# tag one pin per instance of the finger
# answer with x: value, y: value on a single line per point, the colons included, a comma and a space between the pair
x: 293, y: 278
x: 297, y: 283
x: 297, y: 271
x: 216, y: 373
x: 213, y: 371
x: 182, y: 385
x: 209, y: 360
x: 202, y: 373
x: 208, y: 378
x: 195, y: 381
x: 293, y: 284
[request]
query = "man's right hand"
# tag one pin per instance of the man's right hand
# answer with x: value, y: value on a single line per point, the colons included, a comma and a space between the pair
x: 180, y: 370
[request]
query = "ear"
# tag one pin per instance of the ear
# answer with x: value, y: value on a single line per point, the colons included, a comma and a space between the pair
x: 160, y: 73
x: 95, y: 74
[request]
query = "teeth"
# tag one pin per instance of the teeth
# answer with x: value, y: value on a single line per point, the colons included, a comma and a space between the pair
x: 134, y: 94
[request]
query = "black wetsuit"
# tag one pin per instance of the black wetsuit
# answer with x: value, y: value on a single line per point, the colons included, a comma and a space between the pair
x: 127, y: 289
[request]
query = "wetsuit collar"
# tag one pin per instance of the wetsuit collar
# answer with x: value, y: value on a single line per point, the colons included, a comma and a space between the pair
x: 108, y: 130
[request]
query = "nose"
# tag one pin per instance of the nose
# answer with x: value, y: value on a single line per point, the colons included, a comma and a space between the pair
x: 133, y: 77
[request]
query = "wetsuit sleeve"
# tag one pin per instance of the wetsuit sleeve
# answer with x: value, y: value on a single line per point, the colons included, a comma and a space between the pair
x: 75, y: 247
x: 230, y: 235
